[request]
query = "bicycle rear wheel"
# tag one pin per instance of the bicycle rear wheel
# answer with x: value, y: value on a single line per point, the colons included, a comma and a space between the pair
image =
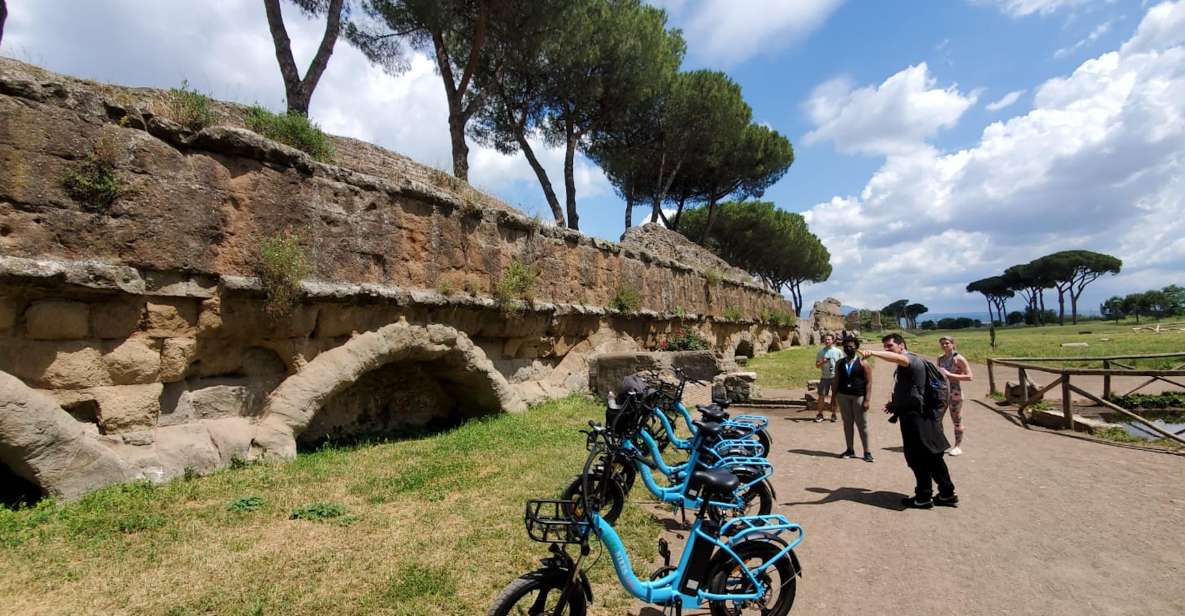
x: 537, y: 594
x: 725, y: 576
x: 610, y: 508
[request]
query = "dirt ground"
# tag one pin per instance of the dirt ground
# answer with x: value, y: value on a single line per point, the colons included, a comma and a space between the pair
x: 1048, y: 523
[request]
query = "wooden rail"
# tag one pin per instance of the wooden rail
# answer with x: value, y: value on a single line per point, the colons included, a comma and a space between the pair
x: 1111, y: 367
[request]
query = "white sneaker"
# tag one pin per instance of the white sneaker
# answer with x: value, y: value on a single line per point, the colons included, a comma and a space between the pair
x: 954, y: 451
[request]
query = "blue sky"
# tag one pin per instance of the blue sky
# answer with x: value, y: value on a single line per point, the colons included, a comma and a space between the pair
x: 937, y: 142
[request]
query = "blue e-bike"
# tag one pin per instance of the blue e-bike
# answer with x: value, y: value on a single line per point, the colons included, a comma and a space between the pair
x: 743, y: 565
x: 669, y: 409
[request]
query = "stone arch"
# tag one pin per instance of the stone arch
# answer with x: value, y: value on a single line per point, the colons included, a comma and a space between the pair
x: 447, y: 354
x: 44, y: 446
x: 775, y: 344
x: 744, y: 346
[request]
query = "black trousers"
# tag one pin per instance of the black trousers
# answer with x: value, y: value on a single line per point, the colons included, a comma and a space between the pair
x: 924, y: 443
x: 928, y: 469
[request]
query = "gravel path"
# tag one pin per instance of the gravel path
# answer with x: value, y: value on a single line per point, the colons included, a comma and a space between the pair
x: 1048, y: 523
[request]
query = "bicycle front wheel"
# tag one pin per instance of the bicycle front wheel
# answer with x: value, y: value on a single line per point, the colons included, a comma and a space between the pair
x: 726, y: 577
x: 538, y: 594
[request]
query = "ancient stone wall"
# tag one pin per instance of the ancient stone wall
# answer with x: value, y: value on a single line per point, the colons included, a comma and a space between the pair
x: 139, y: 331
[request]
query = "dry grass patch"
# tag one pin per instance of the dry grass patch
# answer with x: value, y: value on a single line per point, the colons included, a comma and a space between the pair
x: 436, y: 528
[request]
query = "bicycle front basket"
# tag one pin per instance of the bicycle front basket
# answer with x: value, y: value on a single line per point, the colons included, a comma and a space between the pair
x: 553, y: 521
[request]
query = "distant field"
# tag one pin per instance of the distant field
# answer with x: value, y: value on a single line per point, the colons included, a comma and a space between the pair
x: 792, y: 368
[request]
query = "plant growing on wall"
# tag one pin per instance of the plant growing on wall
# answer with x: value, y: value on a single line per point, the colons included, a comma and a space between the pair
x: 626, y: 299
x: 95, y: 184
x: 685, y: 340
x: 733, y: 313
x: 189, y: 108
x: 283, y: 263
x: 291, y: 129
x: 517, y: 285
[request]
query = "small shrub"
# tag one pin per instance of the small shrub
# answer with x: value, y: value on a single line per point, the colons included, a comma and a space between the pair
x: 237, y: 462
x: 780, y: 318
x: 626, y: 300
x: 96, y: 184
x: 685, y: 340
x: 714, y: 277
x: 733, y: 313
x: 245, y: 504
x: 282, y: 265
x: 189, y: 108
x: 680, y: 312
x: 445, y: 287
x: 470, y: 285
x: 318, y: 512
x: 189, y: 474
x: 517, y: 285
x: 291, y: 129
x: 1165, y: 400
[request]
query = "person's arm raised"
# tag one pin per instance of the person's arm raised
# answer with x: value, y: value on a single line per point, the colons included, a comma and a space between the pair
x: 897, y: 358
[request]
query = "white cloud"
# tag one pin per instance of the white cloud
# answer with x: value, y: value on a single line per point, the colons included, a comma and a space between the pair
x: 1098, y: 163
x: 724, y: 34
x: 1005, y: 101
x: 1022, y: 8
x: 1094, y: 35
x: 896, y: 116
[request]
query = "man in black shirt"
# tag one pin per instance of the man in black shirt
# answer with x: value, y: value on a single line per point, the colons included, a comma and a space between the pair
x: 921, y: 434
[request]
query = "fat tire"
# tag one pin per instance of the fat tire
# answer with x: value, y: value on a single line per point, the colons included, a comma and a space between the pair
x: 723, y: 565
x: 541, y: 579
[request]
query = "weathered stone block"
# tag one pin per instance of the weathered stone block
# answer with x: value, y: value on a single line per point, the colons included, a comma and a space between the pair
x: 54, y: 320
x: 735, y: 386
x: 167, y: 318
x: 210, y: 316
x: 133, y: 361
x: 116, y: 319
x: 219, y: 401
x: 55, y: 365
x: 128, y: 408
x: 175, y: 356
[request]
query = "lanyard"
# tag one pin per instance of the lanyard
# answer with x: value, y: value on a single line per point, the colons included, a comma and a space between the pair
x: 850, y: 364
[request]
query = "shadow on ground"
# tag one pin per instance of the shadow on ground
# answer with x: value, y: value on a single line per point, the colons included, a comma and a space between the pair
x: 879, y: 498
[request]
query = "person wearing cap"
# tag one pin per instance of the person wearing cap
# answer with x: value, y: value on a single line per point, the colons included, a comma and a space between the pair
x: 853, y: 392
x: 825, y: 361
x: 957, y: 369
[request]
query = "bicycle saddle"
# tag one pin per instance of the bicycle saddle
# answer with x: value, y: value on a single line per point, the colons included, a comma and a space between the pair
x: 711, y: 412
x: 709, y: 430
x: 717, y: 481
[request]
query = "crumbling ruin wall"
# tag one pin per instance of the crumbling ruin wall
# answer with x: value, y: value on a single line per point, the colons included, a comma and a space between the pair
x: 139, y: 331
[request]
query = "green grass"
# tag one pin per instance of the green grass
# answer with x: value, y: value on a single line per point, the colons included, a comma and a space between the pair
x: 437, y: 528
x: 789, y: 368
x: 1104, y: 339
x: 291, y: 129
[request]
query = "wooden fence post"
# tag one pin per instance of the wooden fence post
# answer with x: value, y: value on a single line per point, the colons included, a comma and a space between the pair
x: 991, y: 378
x: 1067, y: 406
x: 1107, y: 380
x: 1024, y: 386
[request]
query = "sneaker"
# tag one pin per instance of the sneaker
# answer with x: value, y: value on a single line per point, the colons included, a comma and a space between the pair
x: 867, y: 457
x: 954, y: 451
x: 847, y: 455
x: 818, y: 418
x: 947, y: 501
x: 833, y: 419
x: 911, y: 502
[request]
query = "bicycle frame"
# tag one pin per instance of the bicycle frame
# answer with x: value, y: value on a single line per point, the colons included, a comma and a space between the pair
x: 665, y: 590
x: 754, y: 448
x: 679, y: 471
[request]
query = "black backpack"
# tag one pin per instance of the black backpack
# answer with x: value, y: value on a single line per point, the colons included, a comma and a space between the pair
x: 935, y: 391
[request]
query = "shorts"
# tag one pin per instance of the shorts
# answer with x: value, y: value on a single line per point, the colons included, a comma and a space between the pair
x: 825, y: 386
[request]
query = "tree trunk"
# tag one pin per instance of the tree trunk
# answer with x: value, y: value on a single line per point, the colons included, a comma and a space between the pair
x: 711, y: 219
x: 552, y: 201
x: 1042, y: 297
x: 1061, y: 306
x: 1074, y: 307
x: 570, y: 176
x: 796, y: 297
x: 629, y: 211
x: 456, y: 131
x: 678, y: 214
x: 299, y: 92
x: 991, y: 316
x: 3, y: 17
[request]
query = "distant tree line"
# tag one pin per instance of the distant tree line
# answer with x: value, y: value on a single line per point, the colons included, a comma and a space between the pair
x: 952, y: 323
x: 904, y: 313
x: 1157, y: 303
x: 1068, y: 272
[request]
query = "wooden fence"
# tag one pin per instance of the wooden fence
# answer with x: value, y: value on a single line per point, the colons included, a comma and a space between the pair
x: 1112, y: 366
